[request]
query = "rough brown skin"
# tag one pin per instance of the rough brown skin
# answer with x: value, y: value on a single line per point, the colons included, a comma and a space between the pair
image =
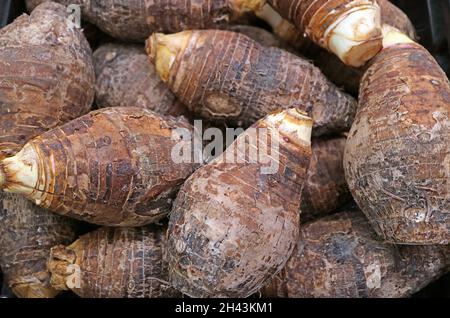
x: 26, y: 235
x: 397, y: 157
x: 110, y: 167
x: 339, y: 73
x: 125, y: 77
x: 340, y: 256
x: 47, y: 78
x: 47, y: 75
x: 314, y: 17
x: 325, y: 188
x: 114, y: 263
x: 136, y: 20
x: 231, y: 227
x: 223, y: 75
x: 93, y: 34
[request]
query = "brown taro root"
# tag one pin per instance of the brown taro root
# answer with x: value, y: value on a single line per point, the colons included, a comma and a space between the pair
x: 351, y: 29
x: 47, y: 75
x: 325, y: 188
x: 234, y: 223
x: 113, y: 263
x: 110, y: 167
x: 339, y: 73
x: 47, y: 79
x: 223, y: 75
x: 27, y: 233
x: 125, y: 77
x: 397, y: 158
x: 136, y: 20
x: 340, y: 256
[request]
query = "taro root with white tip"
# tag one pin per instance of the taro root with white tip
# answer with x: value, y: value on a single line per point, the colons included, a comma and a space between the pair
x: 397, y: 158
x: 110, y: 167
x: 340, y: 256
x: 351, y: 29
x: 235, y: 221
x: 223, y: 75
x: 47, y: 79
x: 113, y: 263
x: 339, y: 73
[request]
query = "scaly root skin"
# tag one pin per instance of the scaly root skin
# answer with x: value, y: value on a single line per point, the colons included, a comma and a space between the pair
x: 356, y: 37
x: 163, y: 49
x: 392, y: 36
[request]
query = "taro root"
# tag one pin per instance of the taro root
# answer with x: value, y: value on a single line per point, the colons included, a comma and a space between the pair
x: 223, y: 75
x: 340, y: 256
x: 137, y: 20
x: 351, y: 29
x: 47, y: 79
x: 397, y: 158
x: 338, y: 72
x: 47, y: 75
x: 325, y: 189
x: 110, y: 167
x: 114, y: 263
x: 235, y: 221
x: 125, y: 77
x: 27, y: 233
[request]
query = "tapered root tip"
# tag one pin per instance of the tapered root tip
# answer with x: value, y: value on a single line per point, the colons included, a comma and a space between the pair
x: 163, y: 50
x: 34, y: 290
x: 293, y: 124
x: 65, y: 274
x: 392, y: 36
x: 356, y: 37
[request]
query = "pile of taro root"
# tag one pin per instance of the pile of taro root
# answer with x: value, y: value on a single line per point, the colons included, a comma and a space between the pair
x: 335, y: 181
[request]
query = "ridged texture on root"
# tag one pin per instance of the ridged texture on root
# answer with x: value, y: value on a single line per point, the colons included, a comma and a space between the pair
x: 125, y: 77
x: 47, y: 77
x: 233, y: 227
x: 339, y: 73
x: 136, y: 20
x: 110, y: 167
x: 340, y: 256
x: 325, y: 189
x: 224, y: 75
x: 114, y: 263
x: 397, y: 158
x: 27, y: 233
x: 322, y: 20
